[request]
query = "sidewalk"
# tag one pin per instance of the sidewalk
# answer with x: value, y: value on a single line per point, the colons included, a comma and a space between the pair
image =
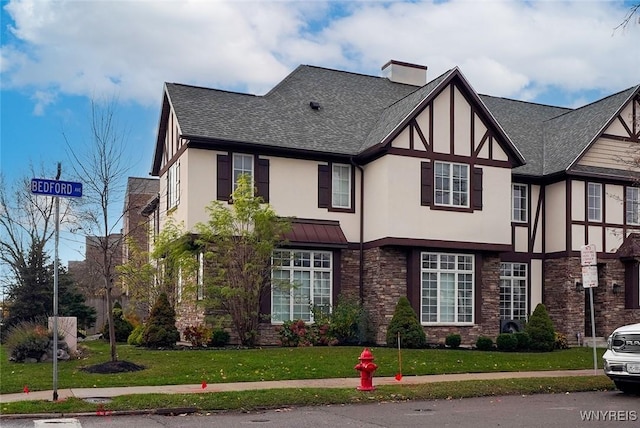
x: 102, y: 393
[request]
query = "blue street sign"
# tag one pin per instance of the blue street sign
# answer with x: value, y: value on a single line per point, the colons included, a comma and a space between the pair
x: 42, y: 186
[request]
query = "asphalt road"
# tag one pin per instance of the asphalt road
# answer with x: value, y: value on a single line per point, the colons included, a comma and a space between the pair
x: 588, y: 409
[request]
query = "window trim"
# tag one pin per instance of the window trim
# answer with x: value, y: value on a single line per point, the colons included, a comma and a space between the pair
x: 511, y: 278
x: 334, y: 186
x: 200, y: 277
x: 234, y: 179
x: 524, y: 208
x: 326, y: 186
x: 173, y: 186
x: 438, y: 271
x: 629, y: 205
x: 599, y: 200
x: 450, y: 181
x: 311, y: 269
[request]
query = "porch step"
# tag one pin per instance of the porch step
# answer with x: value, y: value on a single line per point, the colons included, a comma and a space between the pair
x: 601, y: 342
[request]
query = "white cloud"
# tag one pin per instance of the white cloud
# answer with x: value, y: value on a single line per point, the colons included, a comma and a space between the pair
x: 508, y: 48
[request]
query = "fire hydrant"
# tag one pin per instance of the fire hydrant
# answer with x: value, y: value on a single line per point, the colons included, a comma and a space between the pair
x: 366, y: 367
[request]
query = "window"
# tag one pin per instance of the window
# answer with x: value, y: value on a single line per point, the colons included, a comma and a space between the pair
x: 451, y: 184
x: 633, y: 205
x: 594, y: 202
x: 341, y: 186
x: 446, y: 288
x: 519, y: 203
x: 200, y: 277
x: 173, y: 185
x: 179, y: 286
x: 301, y: 281
x: 513, y: 291
x: 242, y: 164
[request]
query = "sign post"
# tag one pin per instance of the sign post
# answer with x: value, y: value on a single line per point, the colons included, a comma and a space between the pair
x: 56, y: 189
x: 589, y: 262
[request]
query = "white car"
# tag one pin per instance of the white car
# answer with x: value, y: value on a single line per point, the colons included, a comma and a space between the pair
x: 622, y: 359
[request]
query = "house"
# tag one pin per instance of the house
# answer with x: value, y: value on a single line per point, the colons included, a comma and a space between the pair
x: 474, y: 207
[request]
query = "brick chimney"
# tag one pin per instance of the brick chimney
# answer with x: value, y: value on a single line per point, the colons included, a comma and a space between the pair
x: 403, y: 72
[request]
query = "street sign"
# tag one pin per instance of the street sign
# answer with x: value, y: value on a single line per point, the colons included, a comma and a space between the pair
x: 588, y: 255
x: 589, y: 276
x: 42, y: 186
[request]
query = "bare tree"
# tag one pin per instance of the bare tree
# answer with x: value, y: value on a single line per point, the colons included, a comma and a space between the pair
x: 26, y: 225
x: 631, y: 13
x: 103, y: 169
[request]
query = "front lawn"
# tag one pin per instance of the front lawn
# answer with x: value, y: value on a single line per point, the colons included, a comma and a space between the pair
x: 250, y: 365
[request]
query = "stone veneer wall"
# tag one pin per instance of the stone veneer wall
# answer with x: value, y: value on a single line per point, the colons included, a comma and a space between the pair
x: 188, y: 313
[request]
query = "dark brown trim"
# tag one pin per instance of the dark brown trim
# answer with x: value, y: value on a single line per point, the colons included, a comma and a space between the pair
x: 173, y: 159
x: 452, y: 115
x: 631, y: 285
x: 421, y: 135
x: 438, y: 244
x: 325, y: 187
x: 533, y: 228
x: 567, y: 214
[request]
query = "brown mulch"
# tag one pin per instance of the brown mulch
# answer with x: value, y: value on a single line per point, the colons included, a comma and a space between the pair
x: 113, y: 367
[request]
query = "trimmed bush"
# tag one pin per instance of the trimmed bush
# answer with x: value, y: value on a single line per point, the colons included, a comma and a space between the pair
x: 405, y: 322
x: 298, y: 333
x: 523, y: 340
x: 219, y: 338
x: 135, y: 338
x: 121, y: 325
x: 198, y: 335
x: 540, y: 330
x: 484, y: 343
x: 561, y: 341
x: 507, y: 342
x: 160, y: 330
x: 349, y: 322
x: 453, y: 340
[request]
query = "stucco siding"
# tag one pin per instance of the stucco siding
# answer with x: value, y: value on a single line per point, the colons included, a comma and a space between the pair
x: 555, y: 217
x: 614, y: 207
x: 536, y: 284
x: 577, y: 201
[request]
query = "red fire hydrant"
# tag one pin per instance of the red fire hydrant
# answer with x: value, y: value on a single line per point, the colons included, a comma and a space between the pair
x: 366, y: 367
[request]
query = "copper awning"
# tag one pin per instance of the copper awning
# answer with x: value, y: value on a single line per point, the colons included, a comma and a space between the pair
x: 318, y: 233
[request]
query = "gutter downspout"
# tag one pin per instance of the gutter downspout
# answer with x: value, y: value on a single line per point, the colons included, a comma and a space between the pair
x: 361, y: 243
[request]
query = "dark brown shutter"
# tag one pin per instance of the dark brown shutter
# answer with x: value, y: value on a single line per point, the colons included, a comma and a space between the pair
x: 426, y: 183
x: 262, y: 179
x: 265, y: 304
x: 224, y: 178
x: 477, y: 189
x: 324, y: 186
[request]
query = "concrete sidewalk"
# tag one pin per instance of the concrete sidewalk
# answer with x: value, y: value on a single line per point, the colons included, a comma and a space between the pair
x: 101, y: 393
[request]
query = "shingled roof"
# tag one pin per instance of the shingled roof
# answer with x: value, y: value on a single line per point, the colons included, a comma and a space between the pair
x: 553, y: 138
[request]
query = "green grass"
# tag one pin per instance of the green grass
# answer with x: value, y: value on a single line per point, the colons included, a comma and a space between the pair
x: 215, y: 366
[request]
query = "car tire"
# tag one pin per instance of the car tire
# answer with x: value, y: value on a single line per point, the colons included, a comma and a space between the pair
x: 628, y: 387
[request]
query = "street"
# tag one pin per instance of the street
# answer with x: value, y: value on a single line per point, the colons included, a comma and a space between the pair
x: 589, y: 409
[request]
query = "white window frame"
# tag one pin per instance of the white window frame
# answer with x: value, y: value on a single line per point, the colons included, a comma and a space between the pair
x: 451, y: 188
x: 240, y: 167
x: 632, y: 199
x: 519, y: 203
x: 435, y: 268
x: 341, y: 180
x: 291, y: 299
x: 173, y: 185
x: 200, y: 277
x: 594, y: 201
x: 513, y: 291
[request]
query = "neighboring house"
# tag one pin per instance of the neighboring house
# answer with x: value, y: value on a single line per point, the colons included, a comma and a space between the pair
x: 474, y: 207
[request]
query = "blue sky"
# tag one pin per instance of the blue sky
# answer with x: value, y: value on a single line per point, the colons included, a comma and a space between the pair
x: 57, y: 56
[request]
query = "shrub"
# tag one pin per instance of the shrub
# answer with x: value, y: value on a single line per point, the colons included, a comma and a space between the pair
x: 349, y: 322
x: 219, y: 338
x: 484, y: 343
x: 298, y: 333
x: 523, y: 340
x: 561, y: 341
x: 31, y: 340
x: 453, y: 340
x: 121, y: 325
x: 135, y: 338
x: 507, y: 342
x: 540, y: 330
x: 405, y: 322
x: 198, y: 335
x: 160, y: 330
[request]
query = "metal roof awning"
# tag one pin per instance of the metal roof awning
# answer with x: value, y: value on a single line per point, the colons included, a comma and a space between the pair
x: 317, y: 233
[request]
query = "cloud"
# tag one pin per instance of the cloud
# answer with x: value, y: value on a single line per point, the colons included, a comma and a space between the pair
x: 129, y: 48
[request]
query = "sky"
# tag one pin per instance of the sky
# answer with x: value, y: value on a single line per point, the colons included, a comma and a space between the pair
x: 58, y: 56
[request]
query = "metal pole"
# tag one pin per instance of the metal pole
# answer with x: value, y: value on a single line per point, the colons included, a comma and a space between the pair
x: 593, y: 332
x: 55, y: 295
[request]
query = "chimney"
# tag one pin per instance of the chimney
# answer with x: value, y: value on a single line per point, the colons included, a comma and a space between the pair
x: 403, y: 72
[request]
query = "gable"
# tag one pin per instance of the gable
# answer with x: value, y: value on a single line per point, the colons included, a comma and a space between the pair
x: 453, y: 123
